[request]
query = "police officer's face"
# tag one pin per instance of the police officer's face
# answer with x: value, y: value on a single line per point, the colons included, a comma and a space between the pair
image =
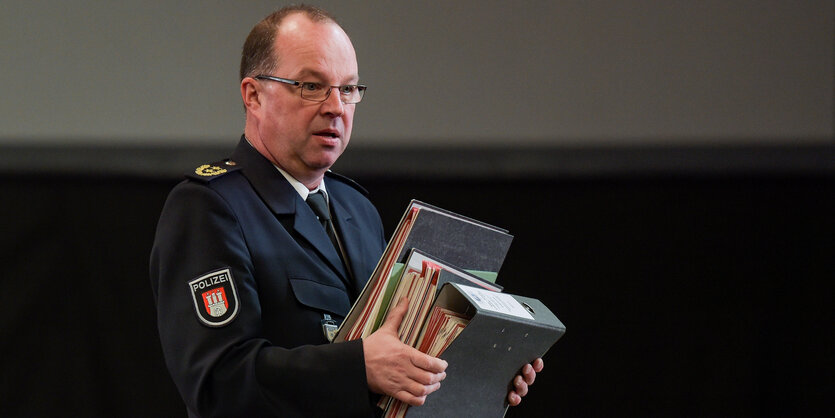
x: 305, y: 137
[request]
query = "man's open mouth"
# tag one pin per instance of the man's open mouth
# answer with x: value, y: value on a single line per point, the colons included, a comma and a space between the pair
x: 328, y: 134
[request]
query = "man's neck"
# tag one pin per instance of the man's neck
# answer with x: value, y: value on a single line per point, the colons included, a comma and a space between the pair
x: 302, y: 189
x: 310, y: 180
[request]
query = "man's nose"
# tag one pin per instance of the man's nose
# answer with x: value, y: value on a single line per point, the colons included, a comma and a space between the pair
x: 333, y: 104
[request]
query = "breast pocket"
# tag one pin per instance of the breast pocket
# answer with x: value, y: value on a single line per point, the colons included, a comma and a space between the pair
x: 320, y: 296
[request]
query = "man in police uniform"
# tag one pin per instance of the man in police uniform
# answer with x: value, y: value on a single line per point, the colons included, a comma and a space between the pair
x: 246, y: 279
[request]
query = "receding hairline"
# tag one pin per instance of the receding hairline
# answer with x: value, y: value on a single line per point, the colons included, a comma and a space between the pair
x: 259, y: 48
x: 282, y: 25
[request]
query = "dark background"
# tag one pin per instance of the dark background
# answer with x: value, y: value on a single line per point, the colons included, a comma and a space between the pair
x: 698, y: 286
x: 667, y: 168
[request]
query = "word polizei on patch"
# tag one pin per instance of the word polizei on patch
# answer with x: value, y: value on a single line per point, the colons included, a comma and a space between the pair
x: 215, y: 297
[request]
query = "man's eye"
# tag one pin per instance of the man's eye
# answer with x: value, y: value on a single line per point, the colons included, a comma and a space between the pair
x: 312, y: 86
x: 347, y: 89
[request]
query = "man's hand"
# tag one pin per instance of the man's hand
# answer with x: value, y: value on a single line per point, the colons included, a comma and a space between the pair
x: 522, y: 381
x: 395, y: 369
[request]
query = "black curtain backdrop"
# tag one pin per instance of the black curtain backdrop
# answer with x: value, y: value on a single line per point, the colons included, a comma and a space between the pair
x: 683, y: 295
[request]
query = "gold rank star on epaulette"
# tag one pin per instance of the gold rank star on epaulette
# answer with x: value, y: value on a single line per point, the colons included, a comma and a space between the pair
x: 207, y: 172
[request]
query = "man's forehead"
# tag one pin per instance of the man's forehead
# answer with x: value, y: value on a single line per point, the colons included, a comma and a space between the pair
x: 298, y: 28
x: 292, y: 23
x: 316, y: 49
x: 309, y: 73
x: 312, y: 65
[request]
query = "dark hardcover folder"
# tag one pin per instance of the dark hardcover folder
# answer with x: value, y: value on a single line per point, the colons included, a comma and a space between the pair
x: 504, y: 333
x: 463, y: 242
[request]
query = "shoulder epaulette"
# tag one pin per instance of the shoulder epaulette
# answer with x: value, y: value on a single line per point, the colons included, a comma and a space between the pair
x: 209, y: 172
x: 348, y: 181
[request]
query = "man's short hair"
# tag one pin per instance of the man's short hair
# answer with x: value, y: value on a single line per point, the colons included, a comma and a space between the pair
x: 258, y: 56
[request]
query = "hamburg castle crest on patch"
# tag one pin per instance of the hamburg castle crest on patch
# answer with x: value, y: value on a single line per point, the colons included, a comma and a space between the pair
x: 215, y: 298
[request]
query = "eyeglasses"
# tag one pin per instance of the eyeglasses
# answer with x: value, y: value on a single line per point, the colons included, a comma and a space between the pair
x: 318, y: 92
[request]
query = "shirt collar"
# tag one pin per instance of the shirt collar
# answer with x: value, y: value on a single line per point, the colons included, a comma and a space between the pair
x: 301, y: 188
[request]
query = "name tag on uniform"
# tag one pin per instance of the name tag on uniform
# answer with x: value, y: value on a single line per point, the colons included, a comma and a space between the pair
x: 329, y: 327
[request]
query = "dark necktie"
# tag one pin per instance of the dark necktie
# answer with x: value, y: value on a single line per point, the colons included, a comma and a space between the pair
x: 317, y: 202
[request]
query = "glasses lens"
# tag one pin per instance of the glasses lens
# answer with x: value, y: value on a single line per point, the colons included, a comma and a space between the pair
x: 351, y: 93
x: 319, y: 93
x: 357, y: 94
x: 314, y: 91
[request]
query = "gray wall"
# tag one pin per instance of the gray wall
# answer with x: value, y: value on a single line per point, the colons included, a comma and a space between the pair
x: 465, y: 73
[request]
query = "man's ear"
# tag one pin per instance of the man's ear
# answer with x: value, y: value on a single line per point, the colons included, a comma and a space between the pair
x: 250, y: 94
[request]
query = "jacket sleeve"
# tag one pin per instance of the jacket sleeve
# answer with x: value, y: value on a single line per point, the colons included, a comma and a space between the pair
x: 231, y: 370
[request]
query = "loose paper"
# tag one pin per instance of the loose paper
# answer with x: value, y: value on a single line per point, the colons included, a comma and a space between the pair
x: 496, y: 302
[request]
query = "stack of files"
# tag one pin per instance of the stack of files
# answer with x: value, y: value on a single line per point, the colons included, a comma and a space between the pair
x: 446, y: 265
x: 442, y: 327
x: 421, y: 279
x: 486, y: 337
x: 466, y: 243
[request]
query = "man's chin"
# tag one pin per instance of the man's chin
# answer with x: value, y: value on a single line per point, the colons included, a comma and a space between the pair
x: 326, y: 158
x: 321, y: 164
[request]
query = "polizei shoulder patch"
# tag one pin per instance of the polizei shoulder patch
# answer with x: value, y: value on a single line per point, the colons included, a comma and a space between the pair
x: 215, y: 298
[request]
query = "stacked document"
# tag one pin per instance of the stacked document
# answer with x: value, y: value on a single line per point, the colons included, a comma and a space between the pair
x: 421, y: 279
x: 446, y: 266
x: 442, y: 327
x: 486, y: 337
x: 462, y: 242
x: 419, y: 288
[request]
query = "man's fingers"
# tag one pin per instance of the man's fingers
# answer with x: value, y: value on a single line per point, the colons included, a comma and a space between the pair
x: 528, y: 374
x: 520, y: 386
x: 415, y: 394
x: 409, y: 398
x: 395, y: 315
x: 419, y: 390
x: 398, y: 370
x: 524, y: 379
x: 426, y: 370
x: 538, y: 365
x: 427, y: 362
x: 424, y: 377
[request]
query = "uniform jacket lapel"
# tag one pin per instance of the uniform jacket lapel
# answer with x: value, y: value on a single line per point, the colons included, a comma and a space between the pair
x: 286, y: 203
x: 307, y: 225
x: 350, y: 234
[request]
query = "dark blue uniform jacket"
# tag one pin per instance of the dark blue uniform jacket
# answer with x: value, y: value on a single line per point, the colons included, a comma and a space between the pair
x: 239, y: 226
